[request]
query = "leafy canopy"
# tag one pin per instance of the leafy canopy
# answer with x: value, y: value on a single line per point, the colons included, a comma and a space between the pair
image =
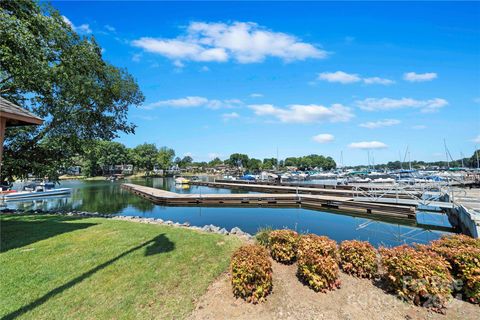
x: 49, y: 69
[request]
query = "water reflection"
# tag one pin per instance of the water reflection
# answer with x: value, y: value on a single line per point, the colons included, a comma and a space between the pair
x: 108, y: 198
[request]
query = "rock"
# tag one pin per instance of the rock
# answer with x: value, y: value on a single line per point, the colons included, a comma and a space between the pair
x: 186, y: 224
x: 223, y: 231
x: 237, y: 231
x: 168, y: 222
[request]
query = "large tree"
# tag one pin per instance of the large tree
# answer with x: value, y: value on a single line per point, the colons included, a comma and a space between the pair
x: 60, y: 76
x: 145, y: 156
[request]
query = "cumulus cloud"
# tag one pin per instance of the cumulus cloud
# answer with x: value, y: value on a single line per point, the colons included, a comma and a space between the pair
x: 256, y: 95
x: 380, y: 123
x: 194, y: 101
x: 229, y: 116
x: 476, y: 139
x: 419, y: 77
x: 82, y: 29
x: 323, y: 138
x: 378, y: 80
x: 365, y: 145
x: 297, y: 113
x: 345, y: 78
x: 245, y: 42
x: 339, y: 76
x: 426, y: 106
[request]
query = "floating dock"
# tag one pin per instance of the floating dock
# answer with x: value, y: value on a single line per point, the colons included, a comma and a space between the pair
x: 312, y: 201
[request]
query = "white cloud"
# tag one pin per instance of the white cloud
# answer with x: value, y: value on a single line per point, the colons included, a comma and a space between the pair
x: 323, y: 138
x: 426, y: 106
x: 339, y: 76
x: 256, y: 95
x: 380, y: 123
x: 194, y: 101
x: 377, y: 80
x: 298, y: 113
x: 476, y: 139
x: 229, y: 116
x: 345, y: 78
x: 109, y: 28
x: 136, y: 57
x: 419, y: 127
x: 368, y: 145
x: 419, y: 77
x: 245, y: 42
x: 82, y: 29
x: 178, y: 64
x: 204, y: 69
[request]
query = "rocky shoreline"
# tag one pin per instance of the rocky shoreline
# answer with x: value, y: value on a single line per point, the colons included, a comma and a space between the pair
x: 210, y: 228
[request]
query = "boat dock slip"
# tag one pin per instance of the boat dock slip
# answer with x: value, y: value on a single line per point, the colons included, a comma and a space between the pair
x: 273, y: 199
x: 299, y: 189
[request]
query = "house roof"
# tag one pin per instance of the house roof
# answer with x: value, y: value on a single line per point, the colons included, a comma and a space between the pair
x: 17, y: 116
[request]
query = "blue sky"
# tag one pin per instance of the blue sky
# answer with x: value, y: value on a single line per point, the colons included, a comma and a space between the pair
x: 305, y: 78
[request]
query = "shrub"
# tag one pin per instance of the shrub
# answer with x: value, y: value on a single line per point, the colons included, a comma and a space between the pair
x: 283, y: 245
x: 317, y: 262
x: 358, y: 258
x: 251, y: 273
x: 263, y: 235
x: 463, y: 254
x: 321, y: 245
x: 419, y: 276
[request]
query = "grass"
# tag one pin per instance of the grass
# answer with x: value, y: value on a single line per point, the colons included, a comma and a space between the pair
x: 57, y: 267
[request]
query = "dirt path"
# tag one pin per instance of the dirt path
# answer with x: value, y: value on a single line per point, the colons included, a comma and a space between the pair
x: 356, y: 299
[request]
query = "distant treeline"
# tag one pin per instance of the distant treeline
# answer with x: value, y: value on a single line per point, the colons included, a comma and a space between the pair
x: 101, y: 155
x: 393, y: 165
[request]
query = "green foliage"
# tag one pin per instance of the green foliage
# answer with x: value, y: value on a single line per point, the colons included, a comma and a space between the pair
x: 251, y: 273
x: 418, y: 276
x: 463, y: 254
x: 311, y: 161
x: 237, y: 160
x: 262, y: 236
x: 47, y: 68
x: 283, y: 245
x: 254, y: 165
x: 165, y: 157
x: 358, y: 258
x: 145, y: 156
x: 317, y: 262
x: 215, y: 162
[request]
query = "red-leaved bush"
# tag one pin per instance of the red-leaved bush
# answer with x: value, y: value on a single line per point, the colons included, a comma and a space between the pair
x: 283, y: 245
x: 463, y: 254
x: 420, y: 276
x: 358, y: 258
x: 317, y: 262
x: 251, y: 273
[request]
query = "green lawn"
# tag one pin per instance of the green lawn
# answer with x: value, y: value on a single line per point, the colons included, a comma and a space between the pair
x: 55, y: 267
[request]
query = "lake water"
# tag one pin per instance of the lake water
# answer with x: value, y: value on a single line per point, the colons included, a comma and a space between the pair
x: 108, y: 197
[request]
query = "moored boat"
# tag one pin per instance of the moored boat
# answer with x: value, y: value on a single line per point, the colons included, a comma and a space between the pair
x: 34, y: 191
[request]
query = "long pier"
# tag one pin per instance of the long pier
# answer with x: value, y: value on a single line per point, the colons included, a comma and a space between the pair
x: 364, y: 194
x: 313, y: 201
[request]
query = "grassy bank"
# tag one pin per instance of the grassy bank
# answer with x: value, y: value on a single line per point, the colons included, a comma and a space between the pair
x: 56, y: 267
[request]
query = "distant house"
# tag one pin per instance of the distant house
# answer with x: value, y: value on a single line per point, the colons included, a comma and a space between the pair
x: 74, y: 171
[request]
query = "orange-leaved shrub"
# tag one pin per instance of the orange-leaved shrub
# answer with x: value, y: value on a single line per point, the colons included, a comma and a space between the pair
x: 251, y: 273
x: 358, y: 258
x: 420, y: 276
x: 317, y: 262
x: 463, y: 254
x: 283, y: 245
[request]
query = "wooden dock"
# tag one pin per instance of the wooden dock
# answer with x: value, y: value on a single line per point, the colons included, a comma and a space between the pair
x: 300, y: 189
x: 313, y: 201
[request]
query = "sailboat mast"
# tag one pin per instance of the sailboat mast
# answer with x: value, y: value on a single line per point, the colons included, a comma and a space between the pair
x: 446, y: 153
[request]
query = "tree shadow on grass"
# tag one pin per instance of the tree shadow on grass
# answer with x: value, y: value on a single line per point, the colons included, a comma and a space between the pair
x: 19, y: 233
x: 159, y: 244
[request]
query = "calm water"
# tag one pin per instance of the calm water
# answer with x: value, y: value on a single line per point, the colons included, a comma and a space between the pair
x: 108, y: 197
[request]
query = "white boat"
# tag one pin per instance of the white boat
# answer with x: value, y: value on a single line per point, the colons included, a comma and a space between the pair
x: 35, y: 191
